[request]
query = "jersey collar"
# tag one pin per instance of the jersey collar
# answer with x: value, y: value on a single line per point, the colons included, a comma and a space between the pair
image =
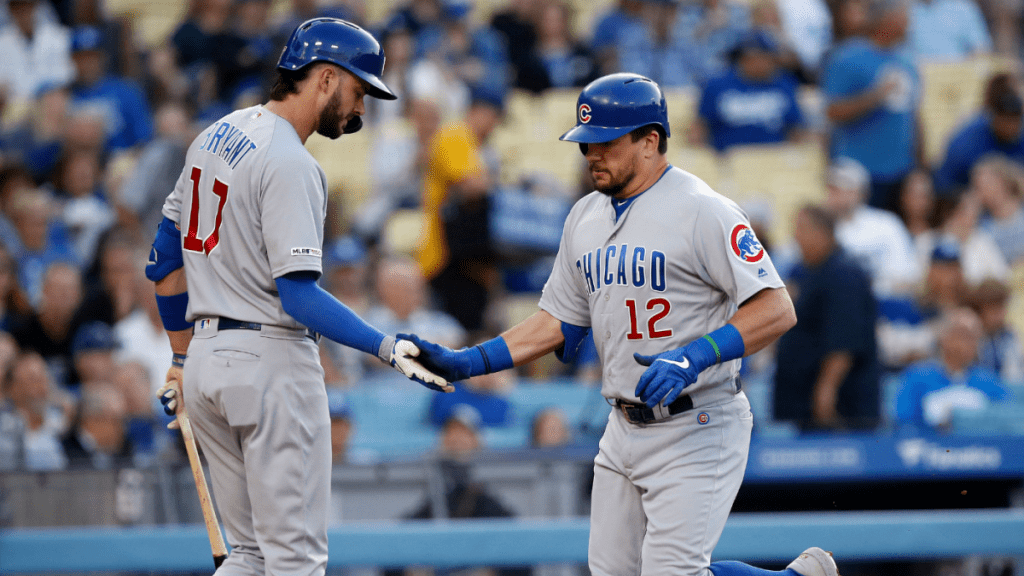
x: 620, y: 206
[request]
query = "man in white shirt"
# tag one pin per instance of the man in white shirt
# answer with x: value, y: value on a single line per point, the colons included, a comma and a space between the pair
x: 36, y: 52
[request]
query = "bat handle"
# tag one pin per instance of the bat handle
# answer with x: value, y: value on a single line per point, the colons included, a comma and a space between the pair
x: 218, y: 560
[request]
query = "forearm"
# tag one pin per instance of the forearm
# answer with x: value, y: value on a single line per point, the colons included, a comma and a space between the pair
x: 174, y: 284
x: 842, y: 111
x: 534, y: 337
x: 834, y: 369
x: 763, y: 318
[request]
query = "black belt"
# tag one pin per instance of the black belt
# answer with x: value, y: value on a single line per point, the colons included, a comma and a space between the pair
x: 641, y: 414
x: 230, y: 324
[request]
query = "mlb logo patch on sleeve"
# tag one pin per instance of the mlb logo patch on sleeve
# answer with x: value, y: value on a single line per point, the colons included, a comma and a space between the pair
x: 306, y: 252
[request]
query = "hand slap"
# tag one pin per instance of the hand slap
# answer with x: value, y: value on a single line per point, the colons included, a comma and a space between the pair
x: 452, y: 365
x: 402, y: 358
x: 667, y: 375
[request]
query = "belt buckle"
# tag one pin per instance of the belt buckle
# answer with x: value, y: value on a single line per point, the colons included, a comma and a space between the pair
x: 634, y: 414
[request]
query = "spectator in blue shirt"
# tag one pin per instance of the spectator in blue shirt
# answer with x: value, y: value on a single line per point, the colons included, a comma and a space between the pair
x: 664, y: 47
x: 947, y: 30
x: 754, y: 102
x: 567, y: 63
x: 997, y: 129
x: 1000, y: 350
x: 625, y: 19
x: 933, y: 389
x: 126, y: 113
x: 827, y: 373
x: 713, y: 27
x: 872, y: 91
x: 484, y: 394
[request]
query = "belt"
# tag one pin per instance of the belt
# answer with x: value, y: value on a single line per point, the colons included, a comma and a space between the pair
x: 230, y: 324
x: 641, y: 414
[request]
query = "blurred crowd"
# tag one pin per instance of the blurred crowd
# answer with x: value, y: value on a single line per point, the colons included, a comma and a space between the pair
x: 901, y: 270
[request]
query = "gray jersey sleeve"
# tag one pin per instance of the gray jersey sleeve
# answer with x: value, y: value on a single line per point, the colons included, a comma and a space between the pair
x: 565, y: 296
x: 292, y: 212
x: 731, y: 254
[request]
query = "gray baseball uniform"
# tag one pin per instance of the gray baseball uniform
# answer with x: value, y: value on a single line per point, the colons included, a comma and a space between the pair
x: 251, y: 205
x: 673, y: 267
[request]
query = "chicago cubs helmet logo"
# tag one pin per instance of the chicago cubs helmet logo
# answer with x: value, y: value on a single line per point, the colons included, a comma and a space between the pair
x: 703, y: 418
x: 585, y: 113
x: 745, y: 244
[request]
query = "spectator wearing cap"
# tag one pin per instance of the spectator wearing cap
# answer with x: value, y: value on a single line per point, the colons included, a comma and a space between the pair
x: 872, y: 92
x: 1000, y: 350
x: 999, y: 184
x: 454, y: 250
x: 93, y: 350
x: 947, y: 30
x: 754, y: 102
x: 875, y: 238
x: 99, y: 440
x: 998, y: 128
x: 827, y: 372
x: 932, y: 390
x: 959, y: 224
x: 121, y: 102
x: 486, y: 395
x: 36, y: 52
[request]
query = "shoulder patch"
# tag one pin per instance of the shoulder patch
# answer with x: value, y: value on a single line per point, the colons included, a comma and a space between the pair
x: 306, y: 252
x: 745, y: 244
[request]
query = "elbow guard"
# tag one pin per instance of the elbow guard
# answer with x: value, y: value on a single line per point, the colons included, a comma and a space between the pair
x: 574, y: 336
x: 165, y: 256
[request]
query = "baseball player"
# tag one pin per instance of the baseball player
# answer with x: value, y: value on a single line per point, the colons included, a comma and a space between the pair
x: 235, y: 262
x: 676, y: 289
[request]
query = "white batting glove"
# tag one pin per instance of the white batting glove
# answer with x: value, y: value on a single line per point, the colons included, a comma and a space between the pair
x: 170, y: 395
x: 402, y: 358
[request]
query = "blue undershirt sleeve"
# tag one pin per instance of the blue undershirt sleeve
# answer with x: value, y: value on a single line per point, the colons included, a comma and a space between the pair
x: 315, y: 308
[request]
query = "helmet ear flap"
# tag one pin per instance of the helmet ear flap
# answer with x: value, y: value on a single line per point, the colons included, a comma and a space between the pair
x: 583, y: 148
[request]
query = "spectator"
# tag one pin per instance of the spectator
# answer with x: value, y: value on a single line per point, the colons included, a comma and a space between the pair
x: 807, y: 25
x: 111, y: 285
x: 518, y: 24
x: 567, y: 62
x: 998, y: 183
x: 849, y: 20
x: 32, y: 417
x: 873, y: 237
x: 12, y: 300
x: 980, y: 256
x: 128, y: 121
x: 341, y: 425
x: 916, y: 208
x: 116, y: 40
x: 247, y: 76
x: 827, y: 372
x: 398, y: 45
x: 549, y: 429
x: 93, y: 349
x: 48, y: 330
x: 765, y: 19
x: 141, y: 339
x: 996, y: 129
x: 947, y: 30
x: 99, y: 440
x: 754, y: 102
x: 715, y: 26
x: 41, y: 241
x: 140, y: 198
x: 625, y: 20
x: 945, y: 288
x: 476, y: 55
x: 35, y: 142
x: 1000, y: 350
x: 664, y: 48
x: 454, y: 251
x: 402, y: 296
x: 83, y: 206
x: 345, y: 272
x: 36, y: 52
x: 872, y: 92
x: 933, y: 389
x: 485, y: 394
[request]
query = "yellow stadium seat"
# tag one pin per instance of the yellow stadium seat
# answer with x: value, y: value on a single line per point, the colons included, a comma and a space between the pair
x: 346, y: 163
x: 402, y: 231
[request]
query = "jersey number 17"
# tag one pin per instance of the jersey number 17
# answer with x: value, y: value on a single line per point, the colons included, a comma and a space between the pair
x: 192, y: 242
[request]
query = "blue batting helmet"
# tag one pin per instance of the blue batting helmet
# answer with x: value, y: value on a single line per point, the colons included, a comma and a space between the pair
x: 617, y: 104
x: 339, y: 42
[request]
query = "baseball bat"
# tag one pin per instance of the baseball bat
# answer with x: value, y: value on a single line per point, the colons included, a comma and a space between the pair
x: 220, y: 551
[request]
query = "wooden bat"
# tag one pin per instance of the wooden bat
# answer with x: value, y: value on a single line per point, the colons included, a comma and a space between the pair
x: 220, y: 551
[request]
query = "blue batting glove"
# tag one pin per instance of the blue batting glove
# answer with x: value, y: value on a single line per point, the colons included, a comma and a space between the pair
x: 452, y: 365
x: 667, y: 375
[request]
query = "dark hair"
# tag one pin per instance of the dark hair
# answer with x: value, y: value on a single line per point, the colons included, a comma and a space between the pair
x: 1001, y: 96
x: 287, y: 82
x: 643, y: 131
x: 821, y: 217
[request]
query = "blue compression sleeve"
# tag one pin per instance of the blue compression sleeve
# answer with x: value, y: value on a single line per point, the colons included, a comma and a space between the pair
x: 574, y: 336
x: 165, y: 255
x: 172, y: 311
x: 491, y: 356
x: 315, y: 308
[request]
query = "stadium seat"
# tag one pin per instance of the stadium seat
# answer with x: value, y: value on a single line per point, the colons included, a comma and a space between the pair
x: 402, y: 231
x: 700, y: 161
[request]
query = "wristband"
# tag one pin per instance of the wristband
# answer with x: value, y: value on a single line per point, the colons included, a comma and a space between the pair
x: 727, y: 343
x: 491, y: 356
x: 178, y: 360
x: 172, y: 311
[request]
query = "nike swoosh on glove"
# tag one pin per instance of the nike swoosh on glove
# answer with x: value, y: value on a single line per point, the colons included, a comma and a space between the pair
x: 403, y: 358
x: 452, y: 365
x: 667, y: 375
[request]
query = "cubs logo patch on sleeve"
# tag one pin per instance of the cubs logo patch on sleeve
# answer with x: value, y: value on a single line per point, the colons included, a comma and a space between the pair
x: 745, y: 245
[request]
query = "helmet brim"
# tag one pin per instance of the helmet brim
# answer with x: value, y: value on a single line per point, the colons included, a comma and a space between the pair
x: 376, y: 87
x: 585, y: 134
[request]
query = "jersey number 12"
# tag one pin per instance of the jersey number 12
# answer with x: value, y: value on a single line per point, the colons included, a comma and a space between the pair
x: 192, y: 241
x: 652, y: 330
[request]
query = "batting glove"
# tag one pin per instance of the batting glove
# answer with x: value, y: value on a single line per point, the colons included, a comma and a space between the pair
x: 667, y: 375
x: 452, y: 365
x: 169, y: 395
x: 403, y: 356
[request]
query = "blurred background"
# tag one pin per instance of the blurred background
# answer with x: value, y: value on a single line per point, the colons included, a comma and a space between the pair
x: 883, y: 134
